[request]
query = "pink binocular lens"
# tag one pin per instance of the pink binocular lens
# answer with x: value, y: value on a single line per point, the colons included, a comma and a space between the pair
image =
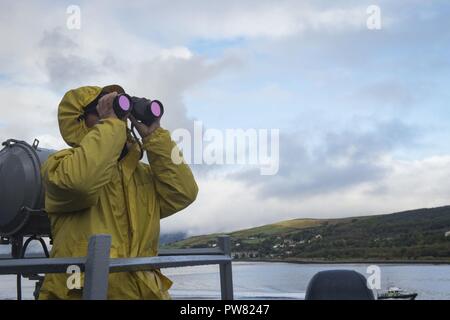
x: 124, y: 103
x: 155, y: 108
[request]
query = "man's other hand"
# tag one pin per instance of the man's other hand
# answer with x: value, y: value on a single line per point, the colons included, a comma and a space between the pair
x: 144, y: 130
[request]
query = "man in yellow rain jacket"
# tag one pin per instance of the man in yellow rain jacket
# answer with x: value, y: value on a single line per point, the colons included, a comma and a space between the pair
x: 100, y: 186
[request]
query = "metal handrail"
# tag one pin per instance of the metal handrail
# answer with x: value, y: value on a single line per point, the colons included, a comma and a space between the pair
x: 97, y: 264
x: 188, y: 252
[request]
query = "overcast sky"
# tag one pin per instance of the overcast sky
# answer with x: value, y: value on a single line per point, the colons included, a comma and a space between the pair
x: 363, y: 114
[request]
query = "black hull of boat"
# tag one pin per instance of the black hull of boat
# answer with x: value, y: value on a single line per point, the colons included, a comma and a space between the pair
x: 411, y: 296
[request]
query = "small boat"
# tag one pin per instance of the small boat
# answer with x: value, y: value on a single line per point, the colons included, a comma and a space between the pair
x: 397, y: 293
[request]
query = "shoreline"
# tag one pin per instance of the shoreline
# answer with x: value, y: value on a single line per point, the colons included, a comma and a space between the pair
x: 300, y: 261
x: 312, y: 261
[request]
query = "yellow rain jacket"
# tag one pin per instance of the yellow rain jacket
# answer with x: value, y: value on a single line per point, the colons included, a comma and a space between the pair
x: 88, y: 191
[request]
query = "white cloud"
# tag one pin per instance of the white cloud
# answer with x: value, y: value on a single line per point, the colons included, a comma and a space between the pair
x: 28, y: 112
x: 246, y: 19
x: 225, y: 205
x: 176, y: 52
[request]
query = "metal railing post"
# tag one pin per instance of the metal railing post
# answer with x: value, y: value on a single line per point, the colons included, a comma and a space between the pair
x: 97, y: 268
x: 226, y: 275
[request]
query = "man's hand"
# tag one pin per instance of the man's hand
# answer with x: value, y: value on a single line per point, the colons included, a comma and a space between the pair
x: 144, y: 130
x: 105, y: 106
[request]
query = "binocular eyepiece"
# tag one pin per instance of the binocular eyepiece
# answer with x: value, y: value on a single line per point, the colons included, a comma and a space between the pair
x: 121, y: 105
x: 143, y: 109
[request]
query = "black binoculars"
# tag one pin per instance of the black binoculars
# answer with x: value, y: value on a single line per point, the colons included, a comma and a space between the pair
x: 143, y: 109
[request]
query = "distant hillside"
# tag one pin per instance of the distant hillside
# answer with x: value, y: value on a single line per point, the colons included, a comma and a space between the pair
x: 167, y: 238
x: 404, y: 236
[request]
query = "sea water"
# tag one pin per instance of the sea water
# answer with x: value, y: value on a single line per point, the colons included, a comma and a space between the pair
x: 272, y: 280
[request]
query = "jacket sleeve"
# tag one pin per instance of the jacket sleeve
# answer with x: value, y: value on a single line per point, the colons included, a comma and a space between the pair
x: 73, y: 177
x: 174, y: 183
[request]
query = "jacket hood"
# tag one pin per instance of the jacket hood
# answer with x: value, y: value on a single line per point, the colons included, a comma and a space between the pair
x: 72, y: 107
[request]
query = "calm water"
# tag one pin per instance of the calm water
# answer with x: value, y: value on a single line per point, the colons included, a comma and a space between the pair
x: 280, y: 280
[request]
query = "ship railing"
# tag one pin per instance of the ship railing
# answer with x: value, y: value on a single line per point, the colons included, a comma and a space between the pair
x: 97, y: 264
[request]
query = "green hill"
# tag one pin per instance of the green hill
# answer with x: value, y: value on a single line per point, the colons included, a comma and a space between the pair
x: 404, y: 236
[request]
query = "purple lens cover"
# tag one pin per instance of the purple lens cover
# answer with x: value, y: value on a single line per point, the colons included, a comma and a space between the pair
x: 124, y: 103
x: 155, y: 108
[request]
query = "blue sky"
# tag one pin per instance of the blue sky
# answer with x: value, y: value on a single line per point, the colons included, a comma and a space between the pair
x: 334, y: 81
x: 363, y: 114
